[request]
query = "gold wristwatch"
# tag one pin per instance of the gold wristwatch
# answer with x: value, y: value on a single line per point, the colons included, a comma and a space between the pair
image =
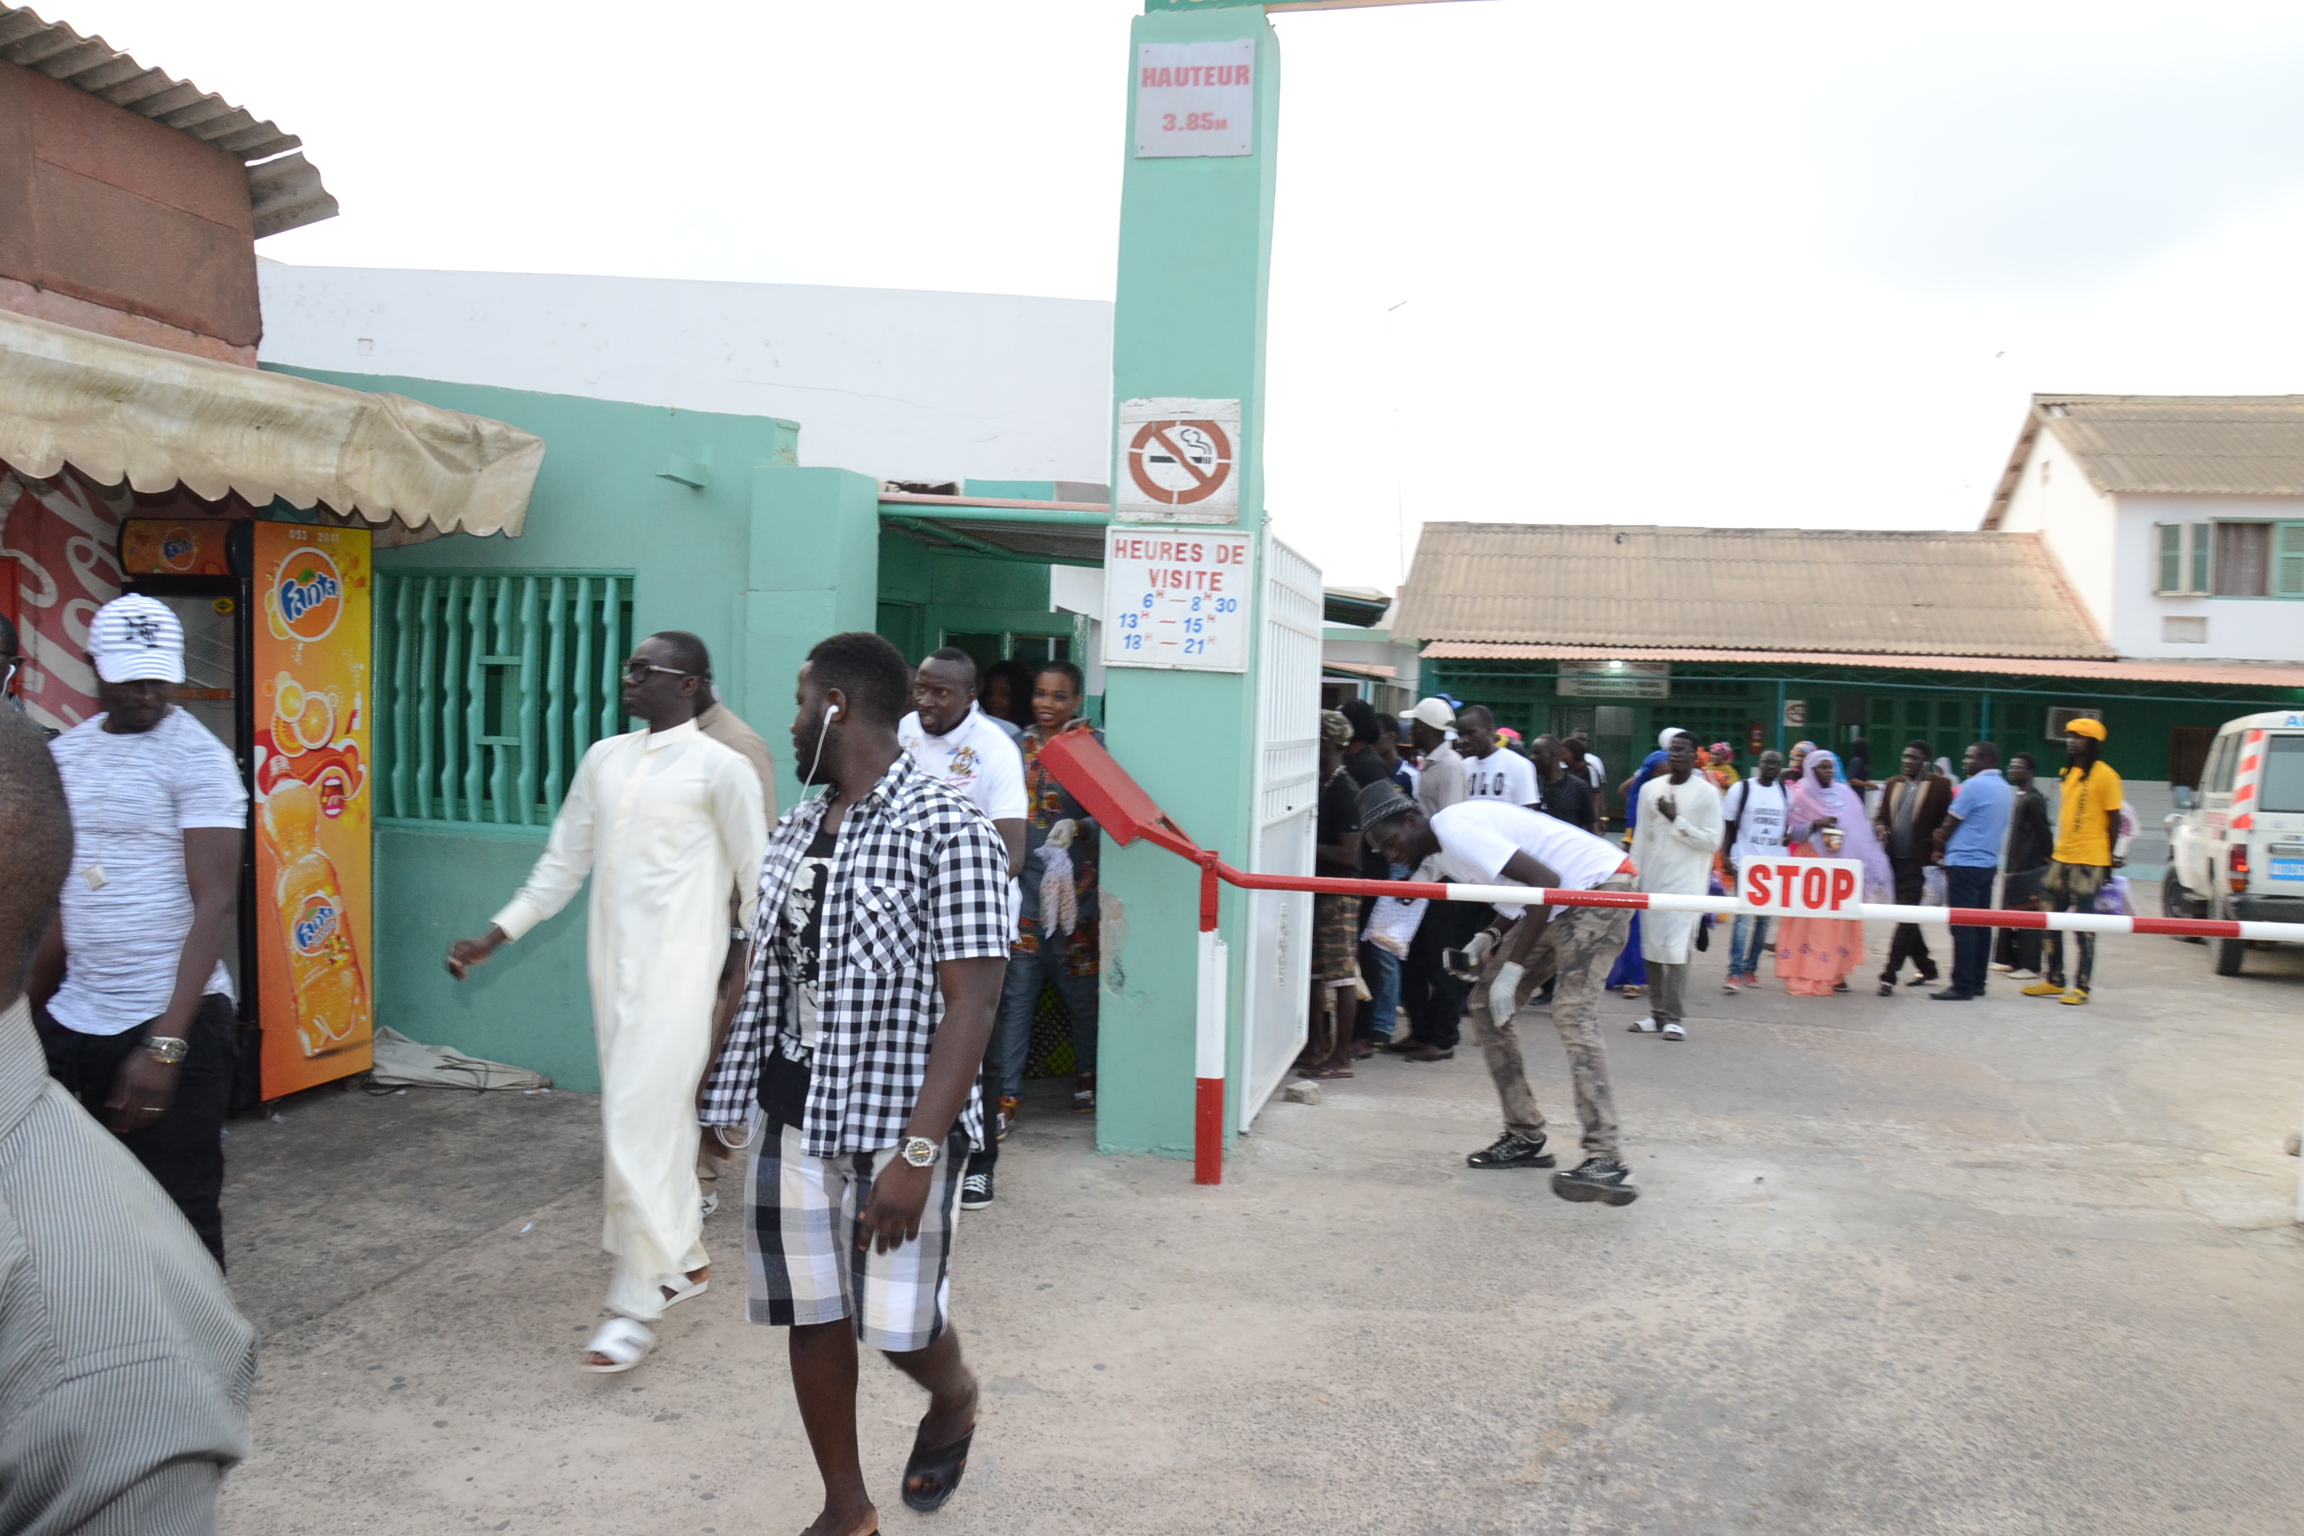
x: 167, y: 1050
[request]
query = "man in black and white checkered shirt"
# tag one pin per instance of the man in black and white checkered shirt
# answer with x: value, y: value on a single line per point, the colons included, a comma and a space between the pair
x: 881, y: 939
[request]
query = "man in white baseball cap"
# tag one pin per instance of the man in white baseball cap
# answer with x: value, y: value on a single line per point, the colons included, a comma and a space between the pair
x: 129, y: 991
x: 137, y: 639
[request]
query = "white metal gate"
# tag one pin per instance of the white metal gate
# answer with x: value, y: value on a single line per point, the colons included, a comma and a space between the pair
x: 1278, y: 958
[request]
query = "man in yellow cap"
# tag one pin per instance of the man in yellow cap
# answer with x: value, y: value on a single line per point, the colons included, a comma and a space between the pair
x: 2087, y: 828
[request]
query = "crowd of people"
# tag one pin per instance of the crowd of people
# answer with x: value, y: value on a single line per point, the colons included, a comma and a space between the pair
x: 1442, y: 793
x: 843, y: 997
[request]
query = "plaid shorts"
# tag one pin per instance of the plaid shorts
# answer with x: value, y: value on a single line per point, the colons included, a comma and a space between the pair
x: 801, y: 1244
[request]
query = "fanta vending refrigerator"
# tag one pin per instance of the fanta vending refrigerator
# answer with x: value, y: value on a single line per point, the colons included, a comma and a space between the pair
x: 277, y: 622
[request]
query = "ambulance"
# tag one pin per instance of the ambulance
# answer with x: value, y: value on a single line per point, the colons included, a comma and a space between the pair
x: 2236, y: 844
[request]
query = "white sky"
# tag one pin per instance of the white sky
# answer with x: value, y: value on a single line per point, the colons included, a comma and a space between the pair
x: 1797, y: 264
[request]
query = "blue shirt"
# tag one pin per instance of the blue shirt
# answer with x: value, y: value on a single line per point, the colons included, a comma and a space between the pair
x: 1648, y: 767
x: 1982, y: 805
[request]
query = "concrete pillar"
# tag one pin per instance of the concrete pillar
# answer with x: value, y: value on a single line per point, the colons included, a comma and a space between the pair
x: 1195, y: 264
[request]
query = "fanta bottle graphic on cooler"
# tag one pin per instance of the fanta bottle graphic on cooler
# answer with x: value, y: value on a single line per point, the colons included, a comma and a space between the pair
x: 331, y: 997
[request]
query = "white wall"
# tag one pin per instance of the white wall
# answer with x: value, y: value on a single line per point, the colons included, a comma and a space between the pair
x: 2074, y: 518
x: 898, y: 384
x: 2239, y: 628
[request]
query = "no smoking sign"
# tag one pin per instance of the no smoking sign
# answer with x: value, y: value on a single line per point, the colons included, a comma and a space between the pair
x: 1179, y: 461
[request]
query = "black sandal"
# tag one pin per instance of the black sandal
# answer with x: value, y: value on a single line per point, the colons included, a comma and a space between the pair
x: 942, y: 1465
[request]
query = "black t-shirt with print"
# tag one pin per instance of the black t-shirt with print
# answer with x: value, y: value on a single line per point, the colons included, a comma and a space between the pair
x: 799, y: 941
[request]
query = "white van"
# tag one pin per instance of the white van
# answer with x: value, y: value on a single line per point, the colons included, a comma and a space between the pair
x: 2236, y: 845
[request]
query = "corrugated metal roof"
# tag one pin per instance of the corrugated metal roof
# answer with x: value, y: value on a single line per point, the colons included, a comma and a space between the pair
x: 1745, y: 589
x: 284, y: 188
x: 2182, y: 445
x: 2227, y: 673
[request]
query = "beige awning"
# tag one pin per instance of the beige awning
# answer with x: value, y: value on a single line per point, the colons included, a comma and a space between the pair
x: 114, y: 409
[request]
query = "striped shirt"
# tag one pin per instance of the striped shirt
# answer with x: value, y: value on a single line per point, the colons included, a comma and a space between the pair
x: 918, y: 877
x: 127, y: 903
x: 128, y: 1370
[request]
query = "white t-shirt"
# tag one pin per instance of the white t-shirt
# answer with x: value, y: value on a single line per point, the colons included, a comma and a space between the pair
x: 1759, y: 829
x: 1595, y: 770
x: 1502, y: 775
x: 127, y: 903
x: 975, y: 759
x: 980, y: 762
x: 1478, y: 837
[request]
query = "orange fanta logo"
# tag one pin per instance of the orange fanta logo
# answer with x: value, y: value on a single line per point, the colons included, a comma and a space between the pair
x: 178, y: 549
x: 309, y: 594
x: 315, y: 924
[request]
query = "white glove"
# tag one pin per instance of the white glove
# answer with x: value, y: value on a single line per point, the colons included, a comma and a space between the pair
x: 1474, y: 953
x: 1059, y: 902
x: 1503, y: 998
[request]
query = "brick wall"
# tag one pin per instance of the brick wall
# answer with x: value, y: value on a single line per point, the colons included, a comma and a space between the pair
x: 106, y: 214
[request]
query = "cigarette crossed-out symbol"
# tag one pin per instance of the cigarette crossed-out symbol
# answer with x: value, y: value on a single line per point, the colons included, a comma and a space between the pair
x: 1180, y: 462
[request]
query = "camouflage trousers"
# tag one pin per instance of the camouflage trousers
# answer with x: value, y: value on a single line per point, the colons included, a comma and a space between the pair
x: 2072, y: 888
x: 1578, y: 946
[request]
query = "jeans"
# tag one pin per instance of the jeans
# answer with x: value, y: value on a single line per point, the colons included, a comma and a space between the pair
x: 1970, y: 886
x: 1003, y: 1073
x: 1746, y: 943
x: 1381, y: 967
x: 184, y: 1152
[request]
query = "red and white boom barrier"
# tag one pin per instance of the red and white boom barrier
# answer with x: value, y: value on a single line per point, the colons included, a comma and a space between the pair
x: 1786, y: 887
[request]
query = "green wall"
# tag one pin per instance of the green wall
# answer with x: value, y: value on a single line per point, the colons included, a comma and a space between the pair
x: 1721, y: 700
x: 762, y: 562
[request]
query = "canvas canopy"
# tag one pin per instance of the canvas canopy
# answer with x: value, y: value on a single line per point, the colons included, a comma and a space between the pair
x: 117, y: 410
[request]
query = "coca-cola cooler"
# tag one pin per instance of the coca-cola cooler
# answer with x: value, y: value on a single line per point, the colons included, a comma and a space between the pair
x: 277, y: 641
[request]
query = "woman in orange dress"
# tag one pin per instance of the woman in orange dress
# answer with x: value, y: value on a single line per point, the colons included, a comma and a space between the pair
x: 1815, y: 954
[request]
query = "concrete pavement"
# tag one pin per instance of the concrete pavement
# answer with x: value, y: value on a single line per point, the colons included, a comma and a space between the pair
x: 1898, y: 1266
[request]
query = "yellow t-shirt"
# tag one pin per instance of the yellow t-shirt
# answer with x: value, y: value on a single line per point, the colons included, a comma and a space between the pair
x: 2083, y: 832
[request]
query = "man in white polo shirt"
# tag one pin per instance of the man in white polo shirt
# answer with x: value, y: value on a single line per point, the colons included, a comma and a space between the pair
x: 952, y: 740
x: 1492, y: 771
x: 1487, y: 842
x: 134, y: 1006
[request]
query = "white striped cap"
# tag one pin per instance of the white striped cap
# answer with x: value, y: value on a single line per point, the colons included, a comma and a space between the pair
x: 137, y: 638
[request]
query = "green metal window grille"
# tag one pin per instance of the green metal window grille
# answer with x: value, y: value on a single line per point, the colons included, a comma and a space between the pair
x: 490, y: 687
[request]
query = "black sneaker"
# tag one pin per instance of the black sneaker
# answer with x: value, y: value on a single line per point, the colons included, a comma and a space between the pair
x: 1512, y: 1150
x: 976, y: 1191
x: 1597, y: 1178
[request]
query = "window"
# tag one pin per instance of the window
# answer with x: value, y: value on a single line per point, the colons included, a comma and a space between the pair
x: 2183, y: 559
x: 2243, y: 556
x: 2280, y: 782
x: 2058, y: 719
x: 2288, y: 560
x: 2222, y: 763
x: 489, y: 688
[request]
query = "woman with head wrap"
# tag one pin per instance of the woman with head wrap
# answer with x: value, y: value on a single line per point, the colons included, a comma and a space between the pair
x: 1719, y: 764
x: 1815, y: 954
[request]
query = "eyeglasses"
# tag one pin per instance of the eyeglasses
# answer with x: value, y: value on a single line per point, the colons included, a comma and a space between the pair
x: 636, y: 671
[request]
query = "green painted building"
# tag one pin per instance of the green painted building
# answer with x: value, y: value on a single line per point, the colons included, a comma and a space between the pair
x: 495, y: 660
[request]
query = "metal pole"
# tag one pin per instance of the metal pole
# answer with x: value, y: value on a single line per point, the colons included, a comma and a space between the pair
x: 1209, y: 1037
x: 1779, y: 714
